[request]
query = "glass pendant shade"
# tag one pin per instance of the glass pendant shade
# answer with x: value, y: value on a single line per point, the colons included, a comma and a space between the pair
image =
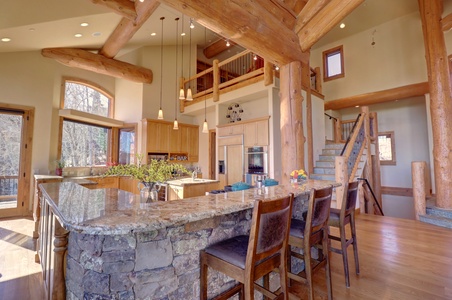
x: 189, y: 95
x: 175, y: 125
x: 205, y: 127
x: 181, y: 94
x: 160, y: 116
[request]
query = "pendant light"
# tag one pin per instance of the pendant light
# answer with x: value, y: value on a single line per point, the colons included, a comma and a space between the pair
x: 160, y: 115
x: 181, y: 91
x: 205, y: 126
x: 176, y: 125
x: 189, y: 93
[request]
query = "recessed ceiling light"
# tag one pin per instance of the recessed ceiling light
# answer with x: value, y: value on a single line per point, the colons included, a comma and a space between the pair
x: 6, y: 39
x: 342, y: 25
x: 141, y: 0
x: 77, y: 35
x: 31, y: 29
x: 84, y: 24
x: 182, y: 34
x: 97, y: 34
x: 153, y: 34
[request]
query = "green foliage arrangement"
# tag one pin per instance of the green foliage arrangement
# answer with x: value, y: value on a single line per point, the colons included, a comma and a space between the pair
x: 155, y: 171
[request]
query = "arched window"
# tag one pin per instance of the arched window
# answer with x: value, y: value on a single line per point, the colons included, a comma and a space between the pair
x: 86, y: 142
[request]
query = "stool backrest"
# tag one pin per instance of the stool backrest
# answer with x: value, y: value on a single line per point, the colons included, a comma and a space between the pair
x: 350, y: 196
x: 269, y: 228
x: 318, y: 210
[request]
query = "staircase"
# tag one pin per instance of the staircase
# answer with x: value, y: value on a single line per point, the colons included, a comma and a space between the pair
x: 437, y: 216
x: 325, y: 167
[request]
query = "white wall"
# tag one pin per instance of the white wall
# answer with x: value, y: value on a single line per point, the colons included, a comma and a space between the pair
x: 396, y: 59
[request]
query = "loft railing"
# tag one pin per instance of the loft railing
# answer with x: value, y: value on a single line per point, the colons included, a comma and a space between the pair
x: 242, y: 69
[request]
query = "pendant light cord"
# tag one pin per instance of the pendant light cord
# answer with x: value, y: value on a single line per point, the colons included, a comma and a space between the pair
x: 161, y: 63
x: 177, y: 50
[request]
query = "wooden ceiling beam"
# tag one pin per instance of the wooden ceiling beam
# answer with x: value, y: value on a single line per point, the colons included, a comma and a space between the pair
x: 324, y: 21
x: 308, y: 12
x: 125, y: 8
x: 446, y: 22
x: 86, y: 60
x: 399, y: 93
x: 248, y: 24
x: 127, y: 28
x: 216, y: 48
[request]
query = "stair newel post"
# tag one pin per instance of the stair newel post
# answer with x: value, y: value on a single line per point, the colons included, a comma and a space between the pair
x: 368, y: 175
x: 376, y: 156
x: 341, y: 175
x: 337, y: 131
x: 418, y: 169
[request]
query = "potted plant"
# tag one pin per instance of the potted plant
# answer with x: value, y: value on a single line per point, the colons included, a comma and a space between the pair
x: 59, y: 167
x: 150, y: 176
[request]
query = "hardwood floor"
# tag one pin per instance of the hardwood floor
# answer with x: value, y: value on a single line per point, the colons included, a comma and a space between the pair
x: 399, y: 259
x: 20, y: 276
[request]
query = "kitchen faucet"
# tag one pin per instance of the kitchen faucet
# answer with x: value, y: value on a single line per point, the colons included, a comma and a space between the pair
x: 194, y: 175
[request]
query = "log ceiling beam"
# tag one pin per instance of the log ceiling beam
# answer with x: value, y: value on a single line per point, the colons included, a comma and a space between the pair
x: 446, y: 22
x: 248, y: 24
x: 324, y: 21
x: 97, y: 63
x: 127, y: 28
x: 407, y: 91
x: 125, y: 8
x: 308, y: 12
x: 216, y: 48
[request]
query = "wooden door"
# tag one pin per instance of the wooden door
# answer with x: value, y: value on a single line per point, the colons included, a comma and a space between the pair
x: 234, y: 164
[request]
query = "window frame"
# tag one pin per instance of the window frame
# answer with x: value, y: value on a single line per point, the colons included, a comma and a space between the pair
x: 328, y: 53
x: 112, y: 141
x: 393, y: 161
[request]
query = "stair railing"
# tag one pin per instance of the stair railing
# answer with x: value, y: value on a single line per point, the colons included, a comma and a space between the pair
x: 367, y: 197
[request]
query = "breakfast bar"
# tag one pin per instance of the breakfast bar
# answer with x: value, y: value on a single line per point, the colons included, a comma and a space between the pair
x: 107, y: 243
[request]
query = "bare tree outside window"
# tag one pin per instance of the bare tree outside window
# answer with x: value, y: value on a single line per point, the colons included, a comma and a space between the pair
x: 85, y: 144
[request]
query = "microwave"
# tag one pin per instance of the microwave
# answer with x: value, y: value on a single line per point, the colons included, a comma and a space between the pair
x: 157, y: 156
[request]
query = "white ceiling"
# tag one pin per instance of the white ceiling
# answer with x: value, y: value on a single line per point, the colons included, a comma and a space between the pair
x: 34, y: 25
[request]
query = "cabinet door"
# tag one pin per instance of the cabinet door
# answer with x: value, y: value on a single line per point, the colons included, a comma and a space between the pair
x: 262, y: 133
x: 250, y: 134
x: 175, y: 140
x: 184, y: 138
x: 164, y: 138
x: 230, y: 130
x: 193, y: 144
x: 152, y: 137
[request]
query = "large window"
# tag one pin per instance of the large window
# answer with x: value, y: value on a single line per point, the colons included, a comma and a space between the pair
x: 333, y: 63
x: 84, y: 143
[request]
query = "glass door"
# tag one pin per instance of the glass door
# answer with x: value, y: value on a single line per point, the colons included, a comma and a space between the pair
x: 11, y: 124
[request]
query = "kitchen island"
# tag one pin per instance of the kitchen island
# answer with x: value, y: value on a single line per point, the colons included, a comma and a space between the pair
x: 110, y: 245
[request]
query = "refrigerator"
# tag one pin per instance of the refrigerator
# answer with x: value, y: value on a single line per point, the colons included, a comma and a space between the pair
x: 230, y: 159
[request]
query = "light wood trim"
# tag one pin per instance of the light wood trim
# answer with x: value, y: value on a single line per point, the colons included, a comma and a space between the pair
x: 86, y: 60
x: 397, y: 191
x: 81, y: 116
x: 242, y: 78
x: 321, y: 23
x: 127, y: 28
x: 403, y: 92
x: 216, y: 81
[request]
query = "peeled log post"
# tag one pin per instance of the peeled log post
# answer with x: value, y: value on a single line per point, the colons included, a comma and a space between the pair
x: 441, y: 100
x: 418, y: 176
x: 291, y: 122
x: 341, y: 175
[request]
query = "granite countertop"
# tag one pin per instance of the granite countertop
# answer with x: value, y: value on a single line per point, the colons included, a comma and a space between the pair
x: 114, y: 211
x: 190, y: 181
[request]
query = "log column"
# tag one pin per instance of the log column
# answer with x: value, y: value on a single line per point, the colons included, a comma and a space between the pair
x: 441, y: 102
x: 291, y: 122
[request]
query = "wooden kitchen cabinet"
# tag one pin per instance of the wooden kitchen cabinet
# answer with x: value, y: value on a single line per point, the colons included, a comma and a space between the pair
x: 256, y: 133
x: 230, y: 129
x: 160, y: 137
x: 129, y: 184
x: 104, y: 182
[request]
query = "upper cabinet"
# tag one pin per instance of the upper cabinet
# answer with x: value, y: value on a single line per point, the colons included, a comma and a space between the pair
x: 181, y: 144
x: 255, y: 132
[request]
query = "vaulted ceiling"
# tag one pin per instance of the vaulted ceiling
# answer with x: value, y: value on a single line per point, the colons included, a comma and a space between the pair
x: 279, y: 30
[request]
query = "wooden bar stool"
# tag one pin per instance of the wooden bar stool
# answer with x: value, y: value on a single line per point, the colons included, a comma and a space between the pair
x: 248, y: 258
x: 311, y: 233
x: 340, y: 218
